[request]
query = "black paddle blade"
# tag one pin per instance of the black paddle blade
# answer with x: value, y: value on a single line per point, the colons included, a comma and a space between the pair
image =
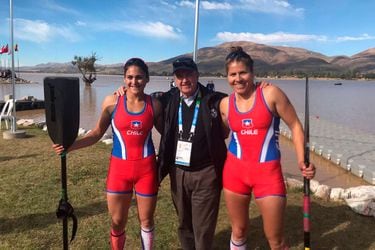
x: 61, y: 97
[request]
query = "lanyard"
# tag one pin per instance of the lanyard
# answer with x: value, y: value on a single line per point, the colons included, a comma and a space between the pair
x: 195, y: 118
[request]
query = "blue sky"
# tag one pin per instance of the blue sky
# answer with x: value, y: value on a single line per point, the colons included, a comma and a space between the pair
x: 56, y: 30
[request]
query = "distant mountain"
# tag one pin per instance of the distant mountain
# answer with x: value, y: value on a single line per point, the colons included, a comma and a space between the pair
x: 363, y: 62
x: 266, y: 59
x: 274, y: 60
x: 51, y: 68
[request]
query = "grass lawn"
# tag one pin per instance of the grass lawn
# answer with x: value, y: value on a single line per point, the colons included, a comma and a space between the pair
x: 30, y: 190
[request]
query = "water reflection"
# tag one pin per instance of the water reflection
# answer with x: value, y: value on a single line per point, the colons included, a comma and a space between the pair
x: 90, y: 107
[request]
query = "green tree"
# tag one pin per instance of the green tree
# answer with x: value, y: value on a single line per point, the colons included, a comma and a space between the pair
x: 86, y: 65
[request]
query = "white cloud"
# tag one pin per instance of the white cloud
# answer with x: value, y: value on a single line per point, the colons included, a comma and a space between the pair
x: 52, y: 5
x: 273, y: 38
x: 168, y: 5
x: 358, y: 38
x: 279, y: 7
x: 186, y: 4
x: 40, y: 31
x: 206, y: 5
x: 155, y: 29
x: 215, y: 6
x: 80, y: 23
x: 149, y: 29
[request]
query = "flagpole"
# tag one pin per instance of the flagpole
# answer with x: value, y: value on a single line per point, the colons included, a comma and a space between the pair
x: 13, y: 133
x: 18, y: 61
x: 14, y: 128
x: 196, y: 30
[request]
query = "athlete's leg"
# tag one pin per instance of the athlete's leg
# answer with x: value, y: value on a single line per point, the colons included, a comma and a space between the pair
x: 118, y: 207
x: 272, y: 209
x: 146, y: 189
x: 146, y: 207
x: 238, y: 211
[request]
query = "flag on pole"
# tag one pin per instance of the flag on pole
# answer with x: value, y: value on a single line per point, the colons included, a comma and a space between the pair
x: 4, y: 49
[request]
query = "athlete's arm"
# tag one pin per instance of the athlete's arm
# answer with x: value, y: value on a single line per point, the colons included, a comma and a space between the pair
x: 158, y: 115
x: 287, y: 113
x: 224, y: 115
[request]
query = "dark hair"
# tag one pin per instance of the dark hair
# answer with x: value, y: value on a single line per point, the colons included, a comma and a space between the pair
x: 137, y: 62
x: 238, y: 55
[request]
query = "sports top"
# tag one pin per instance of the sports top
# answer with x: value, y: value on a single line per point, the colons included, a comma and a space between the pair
x: 255, y: 133
x: 132, y: 138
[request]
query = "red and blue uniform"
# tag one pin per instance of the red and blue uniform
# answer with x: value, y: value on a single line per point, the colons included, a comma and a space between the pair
x: 253, y: 158
x: 132, y: 163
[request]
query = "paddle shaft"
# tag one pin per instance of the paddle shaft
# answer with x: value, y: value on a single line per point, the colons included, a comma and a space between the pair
x: 64, y: 196
x: 306, y: 182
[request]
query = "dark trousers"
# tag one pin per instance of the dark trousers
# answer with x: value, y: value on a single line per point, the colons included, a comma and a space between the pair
x: 196, y: 197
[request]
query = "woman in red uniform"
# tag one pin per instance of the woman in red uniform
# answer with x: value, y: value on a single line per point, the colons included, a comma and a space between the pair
x: 132, y: 165
x: 253, y: 165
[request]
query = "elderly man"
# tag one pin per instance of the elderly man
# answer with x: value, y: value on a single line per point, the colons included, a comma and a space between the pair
x: 192, y: 151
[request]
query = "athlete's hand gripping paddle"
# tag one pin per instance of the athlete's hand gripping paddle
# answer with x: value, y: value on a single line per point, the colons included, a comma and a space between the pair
x: 306, y: 182
x: 61, y: 96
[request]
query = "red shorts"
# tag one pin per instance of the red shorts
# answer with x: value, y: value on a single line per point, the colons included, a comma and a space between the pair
x: 124, y: 175
x: 263, y: 179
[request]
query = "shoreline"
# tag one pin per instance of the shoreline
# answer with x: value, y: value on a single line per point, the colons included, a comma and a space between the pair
x: 17, y: 81
x: 349, y: 149
x: 327, y: 173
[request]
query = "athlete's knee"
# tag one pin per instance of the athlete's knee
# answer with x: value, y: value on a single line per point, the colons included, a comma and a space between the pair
x: 118, y: 222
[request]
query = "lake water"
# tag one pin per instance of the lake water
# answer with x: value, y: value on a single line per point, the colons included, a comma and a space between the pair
x: 350, y: 104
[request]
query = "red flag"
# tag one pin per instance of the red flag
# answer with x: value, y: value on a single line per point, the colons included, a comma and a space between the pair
x: 5, y: 49
x: 2, y: 49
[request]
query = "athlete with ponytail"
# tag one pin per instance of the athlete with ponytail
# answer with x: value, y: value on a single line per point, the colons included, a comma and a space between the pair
x: 253, y: 164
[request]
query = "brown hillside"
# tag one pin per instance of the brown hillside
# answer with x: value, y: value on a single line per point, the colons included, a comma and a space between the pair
x: 267, y: 59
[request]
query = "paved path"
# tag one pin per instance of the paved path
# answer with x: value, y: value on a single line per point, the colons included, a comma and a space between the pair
x: 351, y: 149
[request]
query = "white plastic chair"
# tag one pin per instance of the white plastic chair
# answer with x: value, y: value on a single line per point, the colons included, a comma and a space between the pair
x: 6, y: 113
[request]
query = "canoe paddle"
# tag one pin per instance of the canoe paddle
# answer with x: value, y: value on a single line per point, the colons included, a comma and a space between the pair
x: 306, y: 182
x: 61, y: 97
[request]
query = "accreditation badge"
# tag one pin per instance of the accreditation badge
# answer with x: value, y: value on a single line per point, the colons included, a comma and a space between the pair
x: 183, y: 152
